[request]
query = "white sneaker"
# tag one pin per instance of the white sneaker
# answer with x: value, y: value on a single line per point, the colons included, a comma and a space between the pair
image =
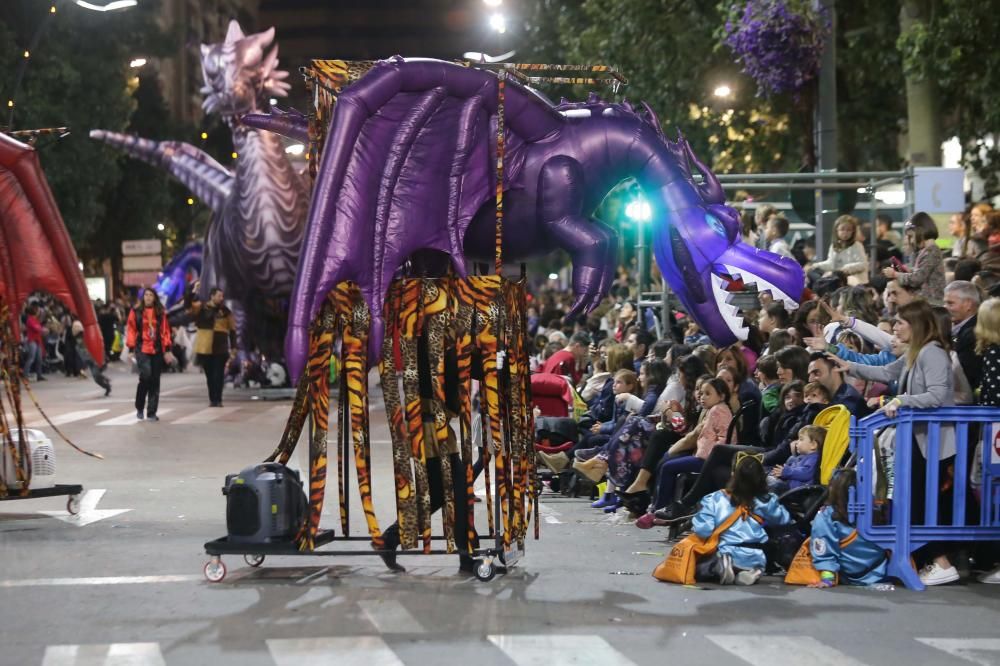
x: 991, y: 578
x: 933, y: 574
x: 726, y: 575
x: 748, y: 576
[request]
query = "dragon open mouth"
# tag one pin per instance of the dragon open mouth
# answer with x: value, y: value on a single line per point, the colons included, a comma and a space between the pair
x: 728, y: 283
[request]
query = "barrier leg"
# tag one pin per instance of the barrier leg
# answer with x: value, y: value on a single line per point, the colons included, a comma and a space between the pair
x: 899, y: 562
x: 900, y: 567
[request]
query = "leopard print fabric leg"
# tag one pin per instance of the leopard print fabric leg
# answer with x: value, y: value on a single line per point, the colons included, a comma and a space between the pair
x: 406, y: 499
x: 437, y: 321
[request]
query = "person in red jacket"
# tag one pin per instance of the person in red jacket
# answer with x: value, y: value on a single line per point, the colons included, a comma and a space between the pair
x: 570, y: 361
x: 147, y: 334
x: 35, y: 347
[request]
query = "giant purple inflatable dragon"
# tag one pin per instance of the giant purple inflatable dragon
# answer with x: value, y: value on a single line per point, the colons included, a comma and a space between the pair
x: 252, y: 246
x: 409, y: 165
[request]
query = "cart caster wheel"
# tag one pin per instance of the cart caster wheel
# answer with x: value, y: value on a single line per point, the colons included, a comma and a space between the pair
x: 215, y: 570
x: 254, y: 560
x: 73, y: 505
x: 485, y: 571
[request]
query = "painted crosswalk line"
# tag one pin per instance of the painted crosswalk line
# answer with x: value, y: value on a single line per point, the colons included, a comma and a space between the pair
x: 390, y: 617
x: 129, y: 419
x: 538, y: 650
x: 341, y: 650
x: 101, y: 580
x: 110, y: 654
x: 69, y: 417
x: 206, y: 415
x: 770, y: 650
x: 976, y: 650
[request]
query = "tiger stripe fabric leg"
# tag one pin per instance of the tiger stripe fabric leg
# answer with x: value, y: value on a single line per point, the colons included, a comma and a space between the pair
x: 355, y: 353
x: 463, y: 314
x: 318, y: 370
x: 411, y: 320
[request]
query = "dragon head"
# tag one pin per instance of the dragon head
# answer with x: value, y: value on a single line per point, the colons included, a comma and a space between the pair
x: 238, y: 73
x: 699, y: 251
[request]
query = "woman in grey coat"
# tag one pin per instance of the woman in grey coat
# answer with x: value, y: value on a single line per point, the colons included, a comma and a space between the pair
x: 926, y: 380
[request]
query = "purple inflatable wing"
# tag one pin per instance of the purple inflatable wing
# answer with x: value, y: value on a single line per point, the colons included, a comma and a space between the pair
x: 409, y: 165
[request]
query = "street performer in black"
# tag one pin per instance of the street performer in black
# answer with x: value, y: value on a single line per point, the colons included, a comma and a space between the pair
x: 215, y: 341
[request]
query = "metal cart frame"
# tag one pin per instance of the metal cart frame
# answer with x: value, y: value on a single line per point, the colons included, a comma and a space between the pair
x: 489, y: 562
x: 71, y: 490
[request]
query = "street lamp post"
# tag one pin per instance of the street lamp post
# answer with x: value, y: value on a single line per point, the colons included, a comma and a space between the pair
x: 639, y: 212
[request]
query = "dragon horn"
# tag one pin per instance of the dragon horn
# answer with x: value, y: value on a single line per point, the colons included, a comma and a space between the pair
x: 652, y: 118
x: 235, y: 33
x: 711, y: 190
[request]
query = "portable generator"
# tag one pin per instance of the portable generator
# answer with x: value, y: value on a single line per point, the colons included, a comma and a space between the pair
x: 265, y: 503
x: 43, y: 461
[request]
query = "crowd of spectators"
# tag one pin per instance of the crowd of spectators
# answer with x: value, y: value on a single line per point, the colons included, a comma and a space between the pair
x: 52, y: 339
x: 918, y: 327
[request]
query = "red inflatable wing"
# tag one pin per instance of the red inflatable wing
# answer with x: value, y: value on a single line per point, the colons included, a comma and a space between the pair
x: 35, y: 250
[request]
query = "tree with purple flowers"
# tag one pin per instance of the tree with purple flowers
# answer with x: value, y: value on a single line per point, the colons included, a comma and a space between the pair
x: 778, y: 43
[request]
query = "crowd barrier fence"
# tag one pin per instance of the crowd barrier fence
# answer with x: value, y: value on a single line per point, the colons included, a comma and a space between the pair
x: 899, y: 536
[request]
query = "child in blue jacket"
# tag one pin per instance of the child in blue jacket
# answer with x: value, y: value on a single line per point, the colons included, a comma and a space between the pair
x: 802, y: 468
x: 859, y: 561
x: 747, y: 490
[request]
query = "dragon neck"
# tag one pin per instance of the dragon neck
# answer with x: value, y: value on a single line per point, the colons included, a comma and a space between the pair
x: 266, y: 216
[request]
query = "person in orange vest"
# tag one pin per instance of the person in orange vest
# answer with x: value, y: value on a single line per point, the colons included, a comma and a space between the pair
x: 147, y: 335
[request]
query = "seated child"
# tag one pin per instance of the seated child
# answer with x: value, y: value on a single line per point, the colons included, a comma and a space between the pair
x: 803, y: 467
x: 747, y: 490
x: 859, y: 562
x: 817, y: 394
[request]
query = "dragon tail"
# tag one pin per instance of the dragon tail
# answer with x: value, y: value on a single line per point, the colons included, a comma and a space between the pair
x: 199, y: 172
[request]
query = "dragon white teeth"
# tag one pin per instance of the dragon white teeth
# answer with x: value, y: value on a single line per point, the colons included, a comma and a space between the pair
x: 763, y: 285
x: 730, y: 313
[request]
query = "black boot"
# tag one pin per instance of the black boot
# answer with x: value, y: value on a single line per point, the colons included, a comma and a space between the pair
x: 390, y: 542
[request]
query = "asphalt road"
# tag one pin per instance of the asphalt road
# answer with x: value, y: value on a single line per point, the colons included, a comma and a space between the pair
x: 127, y: 588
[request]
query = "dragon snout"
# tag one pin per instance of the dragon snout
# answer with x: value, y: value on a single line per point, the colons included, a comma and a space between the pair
x: 746, y: 270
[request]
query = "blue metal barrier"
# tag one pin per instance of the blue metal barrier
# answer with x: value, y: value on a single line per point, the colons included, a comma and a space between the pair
x: 899, y: 536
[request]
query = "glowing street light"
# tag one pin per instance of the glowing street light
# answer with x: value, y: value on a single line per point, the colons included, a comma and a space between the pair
x: 553, y: 276
x: 138, y: 62
x: 160, y: 227
x: 498, y: 23
x: 638, y: 210
x: 723, y: 91
x: 109, y: 7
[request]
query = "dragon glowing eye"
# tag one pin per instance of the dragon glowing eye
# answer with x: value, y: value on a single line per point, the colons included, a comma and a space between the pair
x: 716, y: 226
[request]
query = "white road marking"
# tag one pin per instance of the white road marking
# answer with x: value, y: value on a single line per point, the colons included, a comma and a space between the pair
x: 270, y: 412
x: 550, y: 514
x: 206, y: 415
x: 531, y: 650
x: 771, y: 650
x: 69, y: 417
x: 390, y: 617
x: 129, y: 419
x: 89, y: 513
x: 113, y: 654
x: 969, y: 649
x: 103, y: 580
x: 341, y: 650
